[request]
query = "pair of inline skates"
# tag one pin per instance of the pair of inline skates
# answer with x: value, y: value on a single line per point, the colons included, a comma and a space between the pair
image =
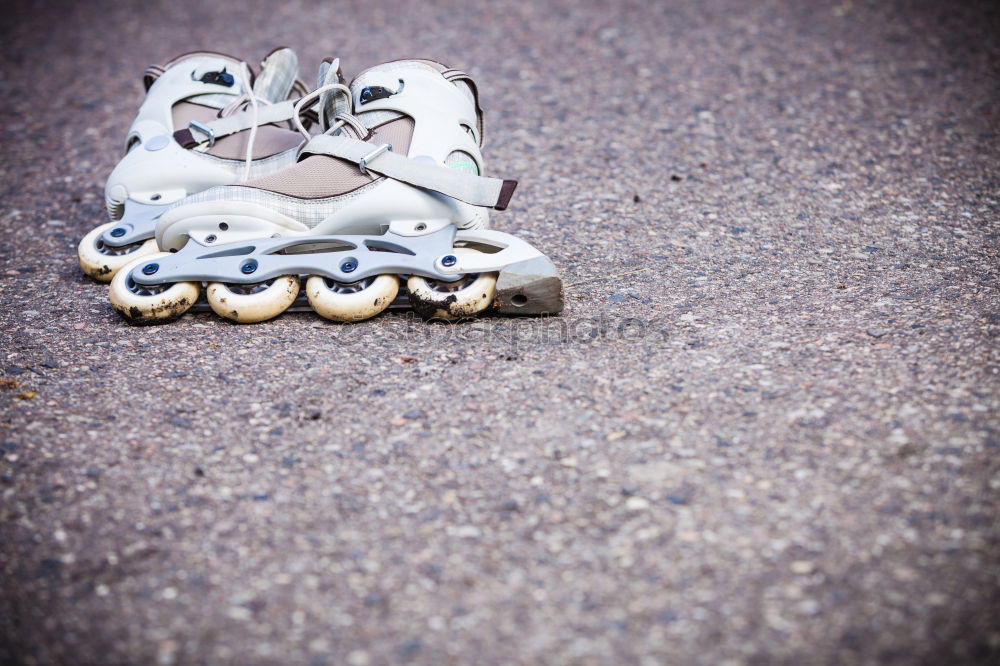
x: 245, y: 182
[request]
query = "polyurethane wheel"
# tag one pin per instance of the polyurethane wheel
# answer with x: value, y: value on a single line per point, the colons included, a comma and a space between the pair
x: 251, y: 303
x: 101, y: 261
x: 154, y: 304
x: 451, y: 301
x: 351, y: 301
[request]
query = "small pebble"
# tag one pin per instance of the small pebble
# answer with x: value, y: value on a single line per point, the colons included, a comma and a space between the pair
x: 802, y: 567
x: 637, y: 503
x: 359, y: 658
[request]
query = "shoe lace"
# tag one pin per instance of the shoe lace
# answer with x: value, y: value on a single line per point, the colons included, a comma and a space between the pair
x: 308, y: 99
x: 254, y: 106
x: 240, y: 103
x: 248, y: 97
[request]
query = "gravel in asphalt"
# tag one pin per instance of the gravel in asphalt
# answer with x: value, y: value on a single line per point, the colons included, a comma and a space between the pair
x: 765, y: 430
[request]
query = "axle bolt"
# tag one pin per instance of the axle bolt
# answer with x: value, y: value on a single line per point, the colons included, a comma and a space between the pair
x: 117, y: 232
x: 149, y: 269
x: 449, y: 260
x: 249, y: 267
x: 349, y: 266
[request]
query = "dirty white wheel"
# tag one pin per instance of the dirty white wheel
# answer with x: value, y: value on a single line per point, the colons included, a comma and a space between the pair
x: 467, y: 296
x: 250, y: 303
x: 351, y: 301
x: 101, y: 261
x: 141, y: 304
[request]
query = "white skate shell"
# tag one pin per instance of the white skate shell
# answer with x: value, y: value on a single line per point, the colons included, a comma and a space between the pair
x: 417, y: 209
x: 157, y: 171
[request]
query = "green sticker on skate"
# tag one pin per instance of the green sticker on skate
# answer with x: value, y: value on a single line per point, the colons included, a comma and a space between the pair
x: 467, y: 166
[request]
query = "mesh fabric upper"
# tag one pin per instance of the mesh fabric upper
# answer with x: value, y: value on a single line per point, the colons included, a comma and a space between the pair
x: 270, y: 140
x: 322, y: 176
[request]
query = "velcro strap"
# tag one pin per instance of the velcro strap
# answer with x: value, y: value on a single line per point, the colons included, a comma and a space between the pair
x: 237, y: 122
x: 475, y: 190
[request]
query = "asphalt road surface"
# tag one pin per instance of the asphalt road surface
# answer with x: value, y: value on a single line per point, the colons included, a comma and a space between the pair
x: 765, y: 430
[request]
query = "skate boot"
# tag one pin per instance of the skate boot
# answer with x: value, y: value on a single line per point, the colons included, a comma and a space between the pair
x: 205, y: 121
x: 393, y: 190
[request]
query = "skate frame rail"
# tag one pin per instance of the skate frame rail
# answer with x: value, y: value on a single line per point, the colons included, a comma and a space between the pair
x: 424, y: 248
x: 137, y: 224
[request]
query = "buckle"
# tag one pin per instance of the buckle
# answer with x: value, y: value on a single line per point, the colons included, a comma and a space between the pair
x: 204, y: 129
x: 363, y: 162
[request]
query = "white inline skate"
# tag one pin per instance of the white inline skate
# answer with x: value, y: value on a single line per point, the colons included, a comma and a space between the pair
x: 206, y: 120
x: 392, y: 190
